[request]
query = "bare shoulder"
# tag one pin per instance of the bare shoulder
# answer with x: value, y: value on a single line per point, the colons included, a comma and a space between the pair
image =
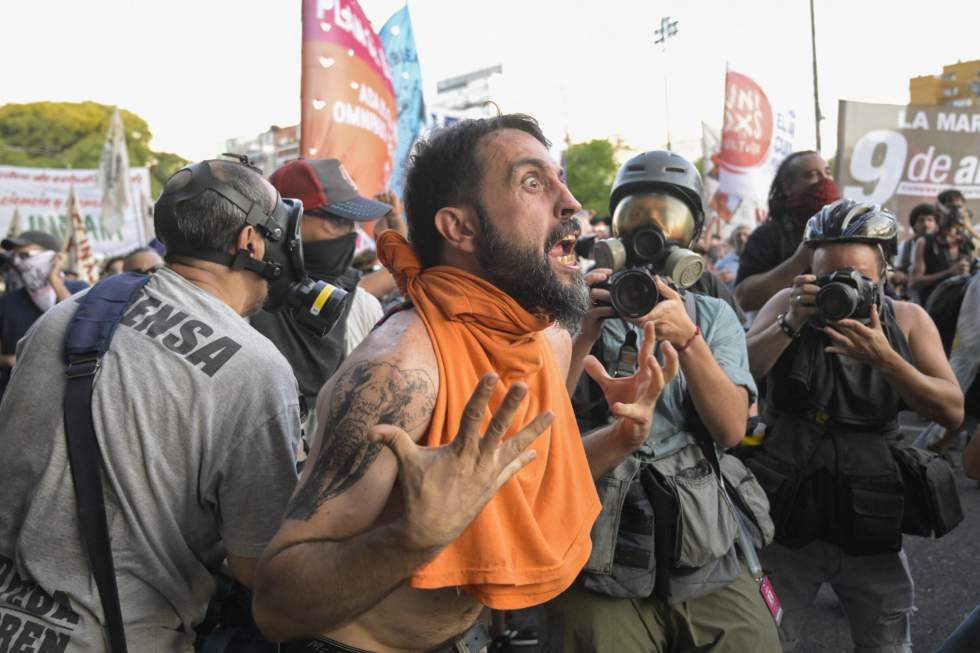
x: 561, y: 345
x: 913, y: 320
x: 391, y: 378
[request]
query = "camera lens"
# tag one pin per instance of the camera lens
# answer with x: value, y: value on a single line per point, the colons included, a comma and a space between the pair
x: 633, y: 293
x: 836, y: 301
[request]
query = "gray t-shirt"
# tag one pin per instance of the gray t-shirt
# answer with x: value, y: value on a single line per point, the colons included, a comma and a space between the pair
x: 197, y: 418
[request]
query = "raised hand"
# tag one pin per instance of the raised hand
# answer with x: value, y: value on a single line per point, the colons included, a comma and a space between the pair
x: 601, y: 310
x: 867, y: 344
x: 444, y: 488
x: 802, y: 300
x: 633, y: 398
x: 393, y: 220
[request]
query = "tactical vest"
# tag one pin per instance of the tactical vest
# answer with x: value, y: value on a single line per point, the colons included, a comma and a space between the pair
x: 834, y: 464
x: 666, y: 529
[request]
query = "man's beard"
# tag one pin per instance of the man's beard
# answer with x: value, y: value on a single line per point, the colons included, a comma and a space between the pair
x: 525, y: 273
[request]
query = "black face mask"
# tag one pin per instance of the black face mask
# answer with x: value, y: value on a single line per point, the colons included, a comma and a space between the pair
x: 329, y: 259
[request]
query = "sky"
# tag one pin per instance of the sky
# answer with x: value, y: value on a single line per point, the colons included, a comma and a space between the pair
x: 202, y: 71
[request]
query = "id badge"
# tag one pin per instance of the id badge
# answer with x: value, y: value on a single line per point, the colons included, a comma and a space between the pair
x: 772, y: 601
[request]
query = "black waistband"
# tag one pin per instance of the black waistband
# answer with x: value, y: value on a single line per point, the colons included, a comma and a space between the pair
x: 473, y: 640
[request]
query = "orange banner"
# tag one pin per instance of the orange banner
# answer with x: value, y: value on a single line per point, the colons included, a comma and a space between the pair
x: 348, y: 101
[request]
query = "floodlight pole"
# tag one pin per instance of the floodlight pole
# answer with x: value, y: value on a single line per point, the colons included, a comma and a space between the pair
x: 667, y: 29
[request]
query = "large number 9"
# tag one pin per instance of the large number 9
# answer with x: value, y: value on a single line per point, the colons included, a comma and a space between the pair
x: 886, y: 175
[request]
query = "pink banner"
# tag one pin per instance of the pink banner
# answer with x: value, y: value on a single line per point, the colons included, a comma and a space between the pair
x: 348, y: 107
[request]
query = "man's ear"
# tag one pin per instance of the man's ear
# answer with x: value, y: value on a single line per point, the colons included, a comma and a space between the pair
x: 250, y: 240
x: 458, y: 227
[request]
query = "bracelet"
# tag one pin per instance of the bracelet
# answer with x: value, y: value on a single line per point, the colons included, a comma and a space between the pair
x: 787, y: 329
x: 697, y: 332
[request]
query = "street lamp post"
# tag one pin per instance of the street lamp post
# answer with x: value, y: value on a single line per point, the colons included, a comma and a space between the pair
x: 667, y: 29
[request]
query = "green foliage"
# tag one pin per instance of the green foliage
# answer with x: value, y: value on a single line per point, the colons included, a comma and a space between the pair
x: 591, y: 168
x: 71, y: 134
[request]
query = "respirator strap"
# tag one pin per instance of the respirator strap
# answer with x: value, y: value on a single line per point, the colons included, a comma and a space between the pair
x: 241, y: 260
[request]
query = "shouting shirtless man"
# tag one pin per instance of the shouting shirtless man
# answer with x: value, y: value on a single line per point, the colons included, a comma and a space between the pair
x: 406, y: 521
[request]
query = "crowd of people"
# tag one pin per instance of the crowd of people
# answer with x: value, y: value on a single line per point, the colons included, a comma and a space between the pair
x: 502, y: 405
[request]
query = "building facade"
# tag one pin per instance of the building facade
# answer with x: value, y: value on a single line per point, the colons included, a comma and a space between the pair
x: 958, y: 86
x: 268, y: 150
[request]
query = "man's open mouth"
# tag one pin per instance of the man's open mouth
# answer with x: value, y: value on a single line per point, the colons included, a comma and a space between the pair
x: 564, y: 250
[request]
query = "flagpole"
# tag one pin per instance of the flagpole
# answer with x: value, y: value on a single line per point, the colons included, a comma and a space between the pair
x: 816, y: 95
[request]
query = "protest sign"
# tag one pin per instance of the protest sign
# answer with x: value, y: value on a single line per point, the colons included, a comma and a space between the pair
x: 899, y: 156
x: 39, y: 198
x: 348, y: 109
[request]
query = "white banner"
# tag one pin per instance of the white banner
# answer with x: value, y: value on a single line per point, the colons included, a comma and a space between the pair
x: 40, y: 195
x: 755, y: 138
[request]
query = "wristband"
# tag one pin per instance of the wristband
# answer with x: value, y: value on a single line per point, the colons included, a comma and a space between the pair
x: 697, y: 332
x: 787, y: 329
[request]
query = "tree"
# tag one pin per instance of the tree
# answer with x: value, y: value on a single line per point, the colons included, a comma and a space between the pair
x: 71, y: 134
x: 591, y: 168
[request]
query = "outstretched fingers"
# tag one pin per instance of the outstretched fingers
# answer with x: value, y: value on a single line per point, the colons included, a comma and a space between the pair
x: 468, y: 436
x: 514, y: 466
x: 649, y: 341
x: 514, y: 448
x: 638, y: 412
x: 671, y: 362
x: 597, y: 371
x: 503, y: 416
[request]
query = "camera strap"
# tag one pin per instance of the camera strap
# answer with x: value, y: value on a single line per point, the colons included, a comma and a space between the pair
x: 91, y: 329
x: 628, y: 353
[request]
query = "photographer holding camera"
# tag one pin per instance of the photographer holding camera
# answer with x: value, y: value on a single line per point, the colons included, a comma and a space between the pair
x: 672, y: 565
x: 948, y: 252
x: 841, y: 360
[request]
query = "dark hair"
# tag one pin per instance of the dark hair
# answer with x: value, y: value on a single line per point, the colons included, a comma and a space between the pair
x: 106, y: 264
x: 209, y: 221
x: 446, y: 170
x: 921, y: 210
x: 949, y: 195
x: 777, y: 193
x: 139, y: 250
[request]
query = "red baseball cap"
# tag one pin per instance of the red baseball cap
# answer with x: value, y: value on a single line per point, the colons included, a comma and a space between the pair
x: 324, y: 185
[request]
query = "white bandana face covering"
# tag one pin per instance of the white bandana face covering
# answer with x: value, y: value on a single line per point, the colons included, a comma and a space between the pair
x: 34, y: 271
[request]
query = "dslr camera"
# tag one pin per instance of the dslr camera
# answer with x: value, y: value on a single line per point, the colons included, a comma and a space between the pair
x: 846, y: 293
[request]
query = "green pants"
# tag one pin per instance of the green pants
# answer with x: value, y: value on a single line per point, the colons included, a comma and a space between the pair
x: 731, y: 620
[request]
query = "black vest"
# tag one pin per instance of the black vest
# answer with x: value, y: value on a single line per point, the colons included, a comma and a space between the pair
x: 826, y: 462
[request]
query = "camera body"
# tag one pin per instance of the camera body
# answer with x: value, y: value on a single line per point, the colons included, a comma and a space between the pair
x: 846, y: 293
x: 635, y: 260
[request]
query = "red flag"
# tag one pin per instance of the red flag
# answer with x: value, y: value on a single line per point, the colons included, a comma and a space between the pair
x: 348, y: 102
x: 79, y: 249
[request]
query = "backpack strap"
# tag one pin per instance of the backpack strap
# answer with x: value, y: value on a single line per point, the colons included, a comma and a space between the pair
x: 89, y: 333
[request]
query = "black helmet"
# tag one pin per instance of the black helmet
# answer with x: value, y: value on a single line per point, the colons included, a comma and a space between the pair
x: 660, y: 170
x: 847, y: 221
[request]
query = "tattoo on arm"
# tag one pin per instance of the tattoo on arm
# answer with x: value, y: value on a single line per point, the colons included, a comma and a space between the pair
x: 365, y: 395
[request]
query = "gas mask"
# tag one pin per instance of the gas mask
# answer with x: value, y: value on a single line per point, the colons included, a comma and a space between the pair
x: 316, y: 305
x: 651, y: 231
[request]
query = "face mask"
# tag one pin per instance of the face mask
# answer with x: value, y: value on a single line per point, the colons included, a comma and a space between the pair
x: 329, y: 259
x: 34, y: 271
x: 802, y: 204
